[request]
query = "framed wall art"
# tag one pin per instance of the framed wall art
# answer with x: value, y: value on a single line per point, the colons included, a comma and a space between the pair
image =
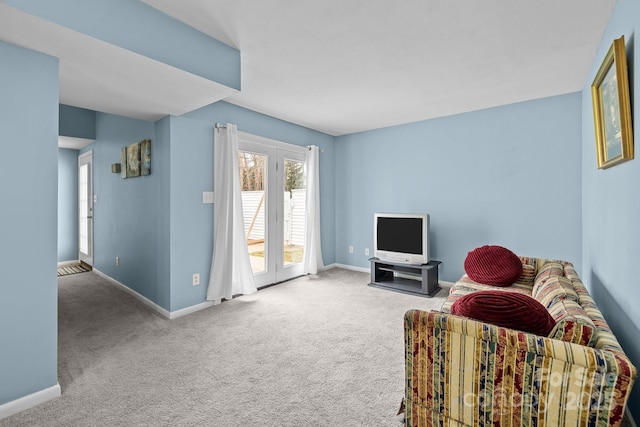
x: 612, y: 108
x: 123, y: 162
x: 133, y: 160
x: 145, y: 157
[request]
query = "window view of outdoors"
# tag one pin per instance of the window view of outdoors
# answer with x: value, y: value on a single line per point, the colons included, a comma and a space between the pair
x: 253, y: 184
x: 295, y: 213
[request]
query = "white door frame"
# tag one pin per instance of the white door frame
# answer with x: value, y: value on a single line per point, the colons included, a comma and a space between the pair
x: 286, y: 271
x: 276, y: 152
x: 85, y: 208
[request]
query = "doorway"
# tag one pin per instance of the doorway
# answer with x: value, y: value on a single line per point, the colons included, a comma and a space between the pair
x: 85, y: 208
x: 273, y: 187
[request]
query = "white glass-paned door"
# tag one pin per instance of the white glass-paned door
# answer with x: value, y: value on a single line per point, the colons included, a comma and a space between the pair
x: 294, y: 211
x: 274, y: 208
x: 85, y: 207
x: 253, y: 185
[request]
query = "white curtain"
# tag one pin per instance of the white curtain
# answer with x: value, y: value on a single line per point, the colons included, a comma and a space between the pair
x: 313, y: 247
x: 230, y: 267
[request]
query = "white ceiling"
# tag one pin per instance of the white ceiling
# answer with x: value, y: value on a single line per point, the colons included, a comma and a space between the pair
x: 342, y: 66
x: 100, y: 76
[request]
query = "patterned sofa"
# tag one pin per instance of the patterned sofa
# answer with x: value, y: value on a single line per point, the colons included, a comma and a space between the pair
x: 462, y: 372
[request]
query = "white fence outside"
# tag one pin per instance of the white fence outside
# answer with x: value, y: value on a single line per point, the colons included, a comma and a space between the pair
x: 294, y: 215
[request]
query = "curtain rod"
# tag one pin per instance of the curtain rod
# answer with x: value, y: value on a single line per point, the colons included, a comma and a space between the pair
x: 219, y: 126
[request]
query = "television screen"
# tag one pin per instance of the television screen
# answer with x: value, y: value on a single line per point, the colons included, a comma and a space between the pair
x: 400, y: 235
x: 402, y: 238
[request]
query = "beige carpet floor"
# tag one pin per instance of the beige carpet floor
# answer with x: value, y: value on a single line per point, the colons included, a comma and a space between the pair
x: 323, y: 350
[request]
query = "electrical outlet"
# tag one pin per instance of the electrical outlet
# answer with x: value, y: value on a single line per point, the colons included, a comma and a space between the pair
x: 117, y: 261
x: 350, y: 249
x: 366, y: 251
x: 196, y: 279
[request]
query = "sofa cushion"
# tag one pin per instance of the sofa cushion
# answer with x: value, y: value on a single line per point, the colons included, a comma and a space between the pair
x: 573, y: 324
x: 529, y: 270
x: 493, y: 265
x: 556, y: 287
x: 465, y: 286
x: 549, y: 270
x: 507, y: 309
x: 469, y: 285
x: 528, y: 274
x: 574, y: 330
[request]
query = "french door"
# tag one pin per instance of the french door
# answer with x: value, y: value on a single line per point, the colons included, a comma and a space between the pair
x: 85, y: 207
x: 273, y: 184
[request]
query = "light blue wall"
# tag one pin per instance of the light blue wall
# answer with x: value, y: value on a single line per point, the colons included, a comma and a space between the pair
x: 128, y: 212
x: 160, y: 169
x: 28, y: 190
x: 158, y: 225
x: 279, y: 130
x: 191, y: 221
x: 67, y: 204
x: 522, y: 176
x: 77, y: 122
x: 611, y: 206
x: 136, y: 26
x: 508, y: 176
x: 192, y: 173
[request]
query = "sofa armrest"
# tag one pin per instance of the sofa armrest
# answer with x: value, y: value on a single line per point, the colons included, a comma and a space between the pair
x: 471, y: 373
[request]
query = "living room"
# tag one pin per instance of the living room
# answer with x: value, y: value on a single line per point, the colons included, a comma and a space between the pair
x: 521, y: 175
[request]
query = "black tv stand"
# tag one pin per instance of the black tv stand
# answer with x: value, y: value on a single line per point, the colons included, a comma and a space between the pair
x: 384, y: 275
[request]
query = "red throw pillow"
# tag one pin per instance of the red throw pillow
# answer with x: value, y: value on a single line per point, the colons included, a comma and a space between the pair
x: 493, y: 265
x: 507, y: 309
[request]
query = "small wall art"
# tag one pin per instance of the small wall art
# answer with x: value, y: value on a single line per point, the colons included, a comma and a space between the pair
x: 123, y: 162
x: 135, y: 159
x: 145, y: 157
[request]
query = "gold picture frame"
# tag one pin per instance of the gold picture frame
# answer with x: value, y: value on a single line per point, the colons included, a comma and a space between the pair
x: 612, y: 108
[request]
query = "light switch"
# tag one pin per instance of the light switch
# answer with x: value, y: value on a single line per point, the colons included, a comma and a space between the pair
x: 207, y: 197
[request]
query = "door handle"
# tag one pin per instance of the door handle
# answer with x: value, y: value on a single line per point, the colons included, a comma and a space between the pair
x: 89, y: 217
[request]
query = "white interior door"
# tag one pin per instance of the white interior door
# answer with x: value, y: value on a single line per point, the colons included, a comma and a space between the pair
x: 273, y: 178
x: 85, y: 207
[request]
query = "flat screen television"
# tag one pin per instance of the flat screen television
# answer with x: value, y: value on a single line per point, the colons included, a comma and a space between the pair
x: 401, y: 237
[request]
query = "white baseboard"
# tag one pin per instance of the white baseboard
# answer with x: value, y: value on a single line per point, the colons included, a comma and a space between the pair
x: 27, y: 402
x: 353, y: 268
x: 146, y: 301
x: 152, y: 305
x: 192, y: 309
x: 327, y: 267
